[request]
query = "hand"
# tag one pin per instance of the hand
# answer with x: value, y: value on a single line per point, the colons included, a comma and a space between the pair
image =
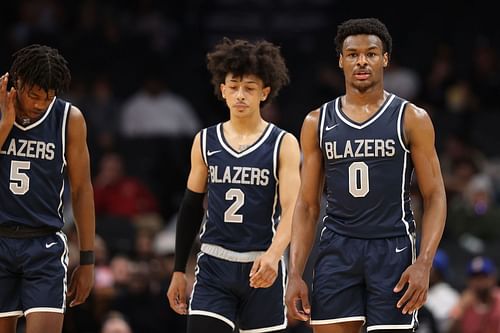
x: 7, y: 98
x: 297, y: 299
x: 264, y: 270
x: 82, y: 281
x: 417, y: 278
x: 176, y: 293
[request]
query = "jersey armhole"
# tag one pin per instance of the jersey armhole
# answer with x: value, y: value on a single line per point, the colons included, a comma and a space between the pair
x: 276, y: 154
x: 203, y: 145
x: 401, y: 132
x: 321, y: 124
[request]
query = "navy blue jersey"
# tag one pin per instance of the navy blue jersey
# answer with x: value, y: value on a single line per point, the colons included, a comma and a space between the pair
x: 243, y: 203
x: 32, y: 169
x: 368, y: 172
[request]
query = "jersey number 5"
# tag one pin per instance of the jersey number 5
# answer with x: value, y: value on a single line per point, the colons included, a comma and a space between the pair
x: 238, y: 196
x: 359, y: 182
x: 19, y: 180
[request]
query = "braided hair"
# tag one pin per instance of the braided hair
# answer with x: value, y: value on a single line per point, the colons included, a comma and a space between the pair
x: 42, y: 66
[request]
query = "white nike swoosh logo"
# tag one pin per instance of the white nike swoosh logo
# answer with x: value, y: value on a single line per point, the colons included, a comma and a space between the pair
x: 401, y: 250
x: 328, y: 128
x: 210, y: 153
x: 49, y: 245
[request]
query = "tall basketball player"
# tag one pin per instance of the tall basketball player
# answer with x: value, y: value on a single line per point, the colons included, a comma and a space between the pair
x: 42, y: 138
x: 365, y: 145
x: 249, y: 169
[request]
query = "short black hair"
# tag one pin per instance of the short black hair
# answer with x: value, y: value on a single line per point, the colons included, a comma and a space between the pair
x: 241, y: 57
x: 363, y: 26
x: 40, y: 65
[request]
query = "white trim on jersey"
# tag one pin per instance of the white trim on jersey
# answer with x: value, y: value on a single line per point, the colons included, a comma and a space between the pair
x: 370, y: 121
x: 400, y: 126
x: 275, y: 155
x: 39, y: 121
x: 247, y: 151
x: 322, y: 112
x: 63, y: 134
x: 276, y: 177
x: 204, y: 145
x: 403, y: 183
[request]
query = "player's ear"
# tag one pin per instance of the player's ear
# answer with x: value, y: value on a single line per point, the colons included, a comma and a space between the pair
x: 265, y: 93
x: 222, y: 88
x: 386, y: 59
x: 341, y: 61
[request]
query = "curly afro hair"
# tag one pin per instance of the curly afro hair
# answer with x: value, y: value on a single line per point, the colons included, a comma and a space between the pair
x: 240, y: 57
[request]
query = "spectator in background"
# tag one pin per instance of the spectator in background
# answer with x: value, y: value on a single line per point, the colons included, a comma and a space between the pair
x: 115, y: 323
x: 157, y: 125
x: 442, y: 297
x: 478, y: 310
x: 117, y: 194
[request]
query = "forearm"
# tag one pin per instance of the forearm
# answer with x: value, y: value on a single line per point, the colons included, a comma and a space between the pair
x: 83, y: 211
x: 303, y: 234
x: 282, y: 237
x: 433, y: 222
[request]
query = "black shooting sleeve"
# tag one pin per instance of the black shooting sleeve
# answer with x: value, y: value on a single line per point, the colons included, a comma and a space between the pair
x: 188, y: 225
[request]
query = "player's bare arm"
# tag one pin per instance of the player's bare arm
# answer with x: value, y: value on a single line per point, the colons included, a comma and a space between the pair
x: 419, y: 133
x: 7, y: 110
x: 265, y: 268
x: 77, y: 155
x: 305, y: 216
x: 197, y: 182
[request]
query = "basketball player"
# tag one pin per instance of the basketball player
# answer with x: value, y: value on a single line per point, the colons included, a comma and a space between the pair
x: 365, y: 146
x: 249, y: 169
x: 42, y: 137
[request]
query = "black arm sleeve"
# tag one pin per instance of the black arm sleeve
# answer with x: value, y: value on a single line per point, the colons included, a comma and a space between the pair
x: 188, y: 225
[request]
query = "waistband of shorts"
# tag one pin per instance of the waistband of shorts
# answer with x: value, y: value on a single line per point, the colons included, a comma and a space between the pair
x: 24, y: 231
x: 222, y: 253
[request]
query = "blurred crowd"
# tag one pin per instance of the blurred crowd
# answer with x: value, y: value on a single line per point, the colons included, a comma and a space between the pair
x: 139, y: 77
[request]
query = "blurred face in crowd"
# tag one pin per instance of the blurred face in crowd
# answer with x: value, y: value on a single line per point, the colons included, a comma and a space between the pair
x: 482, y: 285
x: 363, y: 61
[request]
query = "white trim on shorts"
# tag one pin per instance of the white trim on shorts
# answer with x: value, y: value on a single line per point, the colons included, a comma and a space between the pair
x: 338, y: 320
x: 389, y: 327
x: 266, y: 329
x: 11, y: 314
x: 213, y: 315
x: 42, y: 309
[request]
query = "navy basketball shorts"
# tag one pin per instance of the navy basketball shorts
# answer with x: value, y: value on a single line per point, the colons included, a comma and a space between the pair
x: 354, y: 280
x: 33, y: 274
x: 222, y: 290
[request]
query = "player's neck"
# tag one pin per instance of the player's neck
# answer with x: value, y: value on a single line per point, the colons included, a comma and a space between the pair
x: 247, y: 125
x: 357, y: 98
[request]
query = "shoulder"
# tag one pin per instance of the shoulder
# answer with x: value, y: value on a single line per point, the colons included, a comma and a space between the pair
x: 417, y: 122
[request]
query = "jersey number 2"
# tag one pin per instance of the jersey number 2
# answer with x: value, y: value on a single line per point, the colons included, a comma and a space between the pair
x: 238, y: 196
x: 359, y: 182
x: 19, y: 180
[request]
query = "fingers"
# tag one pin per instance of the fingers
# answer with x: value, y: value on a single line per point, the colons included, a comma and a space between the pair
x: 263, y: 277
x: 4, y: 79
x: 401, y: 283
x: 177, y: 301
